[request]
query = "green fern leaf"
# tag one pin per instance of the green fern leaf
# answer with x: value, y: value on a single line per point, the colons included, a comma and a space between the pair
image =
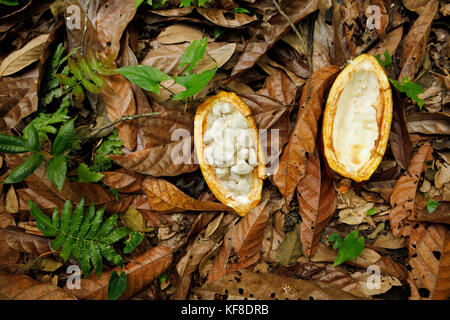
x: 81, y: 234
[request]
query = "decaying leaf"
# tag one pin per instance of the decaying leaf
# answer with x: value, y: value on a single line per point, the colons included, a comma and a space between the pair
x: 302, y: 142
x: 164, y: 196
x: 291, y: 247
x: 20, y: 287
x: 25, y: 242
x: 23, y: 57
x: 430, y: 274
x: 402, y: 198
x: 242, y: 244
x: 217, y: 16
x: 269, y: 286
x: 317, y: 200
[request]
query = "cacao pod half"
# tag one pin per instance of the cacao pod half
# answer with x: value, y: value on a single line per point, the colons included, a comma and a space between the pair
x: 229, y: 151
x: 357, y: 119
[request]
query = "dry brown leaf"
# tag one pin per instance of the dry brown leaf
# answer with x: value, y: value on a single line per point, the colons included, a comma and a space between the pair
x: 20, y: 287
x: 23, y: 57
x: 402, y: 198
x: 389, y: 241
x: 386, y: 283
x: 389, y: 266
x: 338, y: 278
x: 217, y: 16
x: 176, y: 12
x: 357, y: 215
x: 269, y: 286
x: 179, y: 33
x: 242, y: 244
x: 164, y: 196
x: 201, y: 246
x: 140, y: 273
x: 340, y: 50
x: 430, y: 274
x: 270, y: 32
x: 18, y: 98
x: 110, y: 23
x: 440, y: 215
x: 25, y: 242
x: 399, y: 140
x: 417, y: 6
x: 11, y: 201
x: 120, y: 102
x: 429, y: 123
x: 123, y: 181
x: 317, y: 200
x: 415, y: 42
x: 280, y: 87
x: 302, y: 142
x: 389, y: 42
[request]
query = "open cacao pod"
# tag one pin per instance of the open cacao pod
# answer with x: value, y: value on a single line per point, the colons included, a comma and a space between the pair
x: 229, y: 151
x: 357, y: 119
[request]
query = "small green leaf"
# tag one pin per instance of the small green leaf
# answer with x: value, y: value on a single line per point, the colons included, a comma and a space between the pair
x: 432, y: 205
x: 146, y: 77
x: 115, y: 193
x: 64, y: 139
x: 117, y: 285
x: 134, y: 239
x: 57, y: 171
x: 351, y: 247
x: 336, y: 238
x: 193, y: 54
x: 371, y: 212
x: 411, y: 89
x: 388, y: 60
x: 163, y: 278
x: 193, y: 83
x: 25, y: 169
x: 241, y: 10
x: 218, y: 32
x: 87, y: 175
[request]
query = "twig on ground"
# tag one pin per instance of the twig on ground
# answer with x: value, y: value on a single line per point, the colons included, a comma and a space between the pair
x: 122, y: 119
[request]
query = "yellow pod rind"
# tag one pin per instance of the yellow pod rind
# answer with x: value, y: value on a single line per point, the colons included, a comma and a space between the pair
x: 383, y: 112
x: 208, y: 172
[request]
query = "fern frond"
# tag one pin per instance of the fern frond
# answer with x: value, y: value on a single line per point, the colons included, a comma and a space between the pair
x: 81, y: 234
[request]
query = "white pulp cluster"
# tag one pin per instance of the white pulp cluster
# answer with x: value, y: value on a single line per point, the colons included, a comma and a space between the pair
x: 230, y: 148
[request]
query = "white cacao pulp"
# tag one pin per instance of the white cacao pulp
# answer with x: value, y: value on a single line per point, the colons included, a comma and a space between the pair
x: 230, y: 150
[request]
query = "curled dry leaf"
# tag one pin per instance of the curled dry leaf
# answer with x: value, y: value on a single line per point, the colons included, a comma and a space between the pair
x: 20, y: 287
x: 317, y: 200
x: 217, y: 16
x: 357, y: 215
x: 269, y: 286
x: 280, y: 87
x: 23, y: 57
x: 430, y: 274
x: 242, y: 244
x: 140, y: 273
x: 270, y: 32
x: 25, y: 242
x: 164, y: 196
x: 415, y: 42
x: 302, y: 142
x: 402, y: 198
